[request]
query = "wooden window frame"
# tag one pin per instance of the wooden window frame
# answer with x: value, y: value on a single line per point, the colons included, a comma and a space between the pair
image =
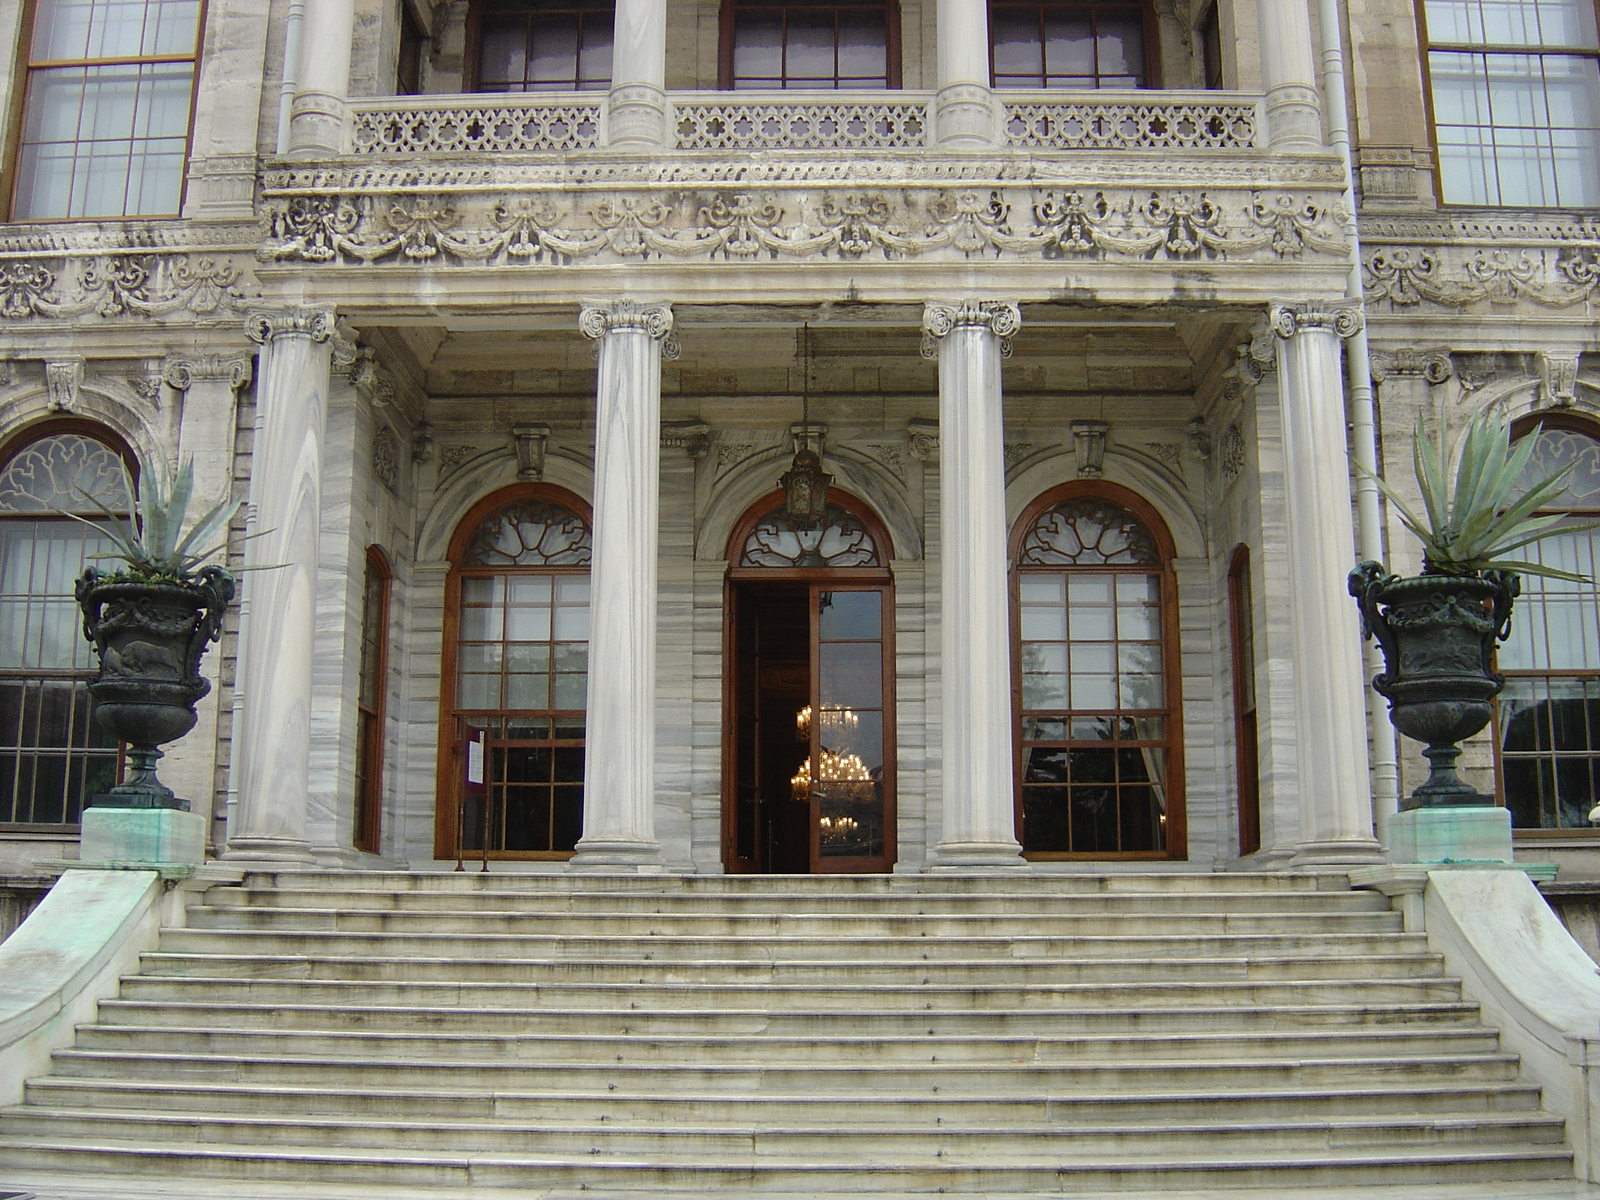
x: 472, y: 56
x: 9, y: 449
x: 1246, y: 730
x: 727, y: 28
x: 22, y: 76
x: 1520, y: 428
x: 412, y: 40
x: 451, y: 767
x: 1426, y: 48
x: 1149, y: 36
x: 1177, y: 832
x: 371, y: 739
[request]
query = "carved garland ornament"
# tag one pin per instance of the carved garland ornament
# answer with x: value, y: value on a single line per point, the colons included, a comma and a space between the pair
x: 1406, y: 276
x: 121, y: 285
x: 1174, y: 225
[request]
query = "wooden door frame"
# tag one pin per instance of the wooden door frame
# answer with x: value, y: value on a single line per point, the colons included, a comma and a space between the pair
x: 847, y: 578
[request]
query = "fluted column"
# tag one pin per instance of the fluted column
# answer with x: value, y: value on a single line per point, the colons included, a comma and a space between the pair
x: 316, y: 114
x: 619, y: 827
x: 975, y: 639
x: 964, y: 109
x: 1289, y: 77
x: 1330, y: 706
x: 636, y: 106
x: 272, y: 740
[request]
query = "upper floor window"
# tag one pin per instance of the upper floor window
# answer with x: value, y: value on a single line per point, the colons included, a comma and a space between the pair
x: 829, y: 44
x: 543, y: 45
x: 105, y: 113
x: 1516, y: 101
x: 1035, y: 44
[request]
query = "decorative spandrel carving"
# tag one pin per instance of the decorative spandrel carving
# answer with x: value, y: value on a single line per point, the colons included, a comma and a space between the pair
x: 1088, y: 533
x: 840, y: 541
x: 530, y: 533
x: 56, y: 474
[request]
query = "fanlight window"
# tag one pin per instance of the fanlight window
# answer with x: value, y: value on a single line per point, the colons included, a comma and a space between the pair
x: 1097, y: 729
x: 521, y: 678
x: 840, y: 541
x: 51, y: 753
x: 1549, y: 712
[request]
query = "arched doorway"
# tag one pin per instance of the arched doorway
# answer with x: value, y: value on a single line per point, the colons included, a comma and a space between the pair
x: 808, y: 744
x: 1099, y: 738
x: 514, y: 678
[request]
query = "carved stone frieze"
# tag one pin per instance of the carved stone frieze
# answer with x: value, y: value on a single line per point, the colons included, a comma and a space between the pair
x: 125, y: 285
x: 1548, y: 276
x: 692, y: 437
x: 451, y: 457
x: 564, y: 227
x: 1232, y: 453
x: 922, y: 438
x: 1089, y: 443
x: 1558, y: 377
x: 386, y: 457
x: 530, y: 442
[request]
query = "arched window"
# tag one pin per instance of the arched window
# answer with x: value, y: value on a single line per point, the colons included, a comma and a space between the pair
x: 516, y: 672
x: 1101, y: 772
x: 372, y: 686
x: 1548, y: 716
x: 52, y: 753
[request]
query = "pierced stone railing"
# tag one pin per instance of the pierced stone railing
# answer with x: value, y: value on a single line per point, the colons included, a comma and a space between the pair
x: 1131, y: 120
x: 790, y: 121
x: 527, y: 124
x: 820, y: 121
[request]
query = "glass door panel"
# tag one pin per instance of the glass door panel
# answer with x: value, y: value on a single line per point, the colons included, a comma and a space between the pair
x: 847, y: 733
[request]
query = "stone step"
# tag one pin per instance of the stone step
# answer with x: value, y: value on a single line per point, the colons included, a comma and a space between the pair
x: 697, y: 1174
x: 1309, y: 926
x: 832, y: 1043
x: 369, y: 957
x: 734, y: 1079
x: 304, y: 981
x: 459, y: 1018
x: 1245, y: 1101
x: 592, y: 1133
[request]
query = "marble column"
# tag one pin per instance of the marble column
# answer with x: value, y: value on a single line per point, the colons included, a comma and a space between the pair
x: 619, y: 776
x: 975, y: 628
x: 272, y: 739
x: 636, y: 106
x: 1325, y: 636
x: 965, y: 112
x: 316, y: 114
x: 1289, y: 78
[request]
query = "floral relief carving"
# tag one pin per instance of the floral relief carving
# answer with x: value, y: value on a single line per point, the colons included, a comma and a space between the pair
x: 1406, y: 276
x: 121, y: 285
x: 747, y: 225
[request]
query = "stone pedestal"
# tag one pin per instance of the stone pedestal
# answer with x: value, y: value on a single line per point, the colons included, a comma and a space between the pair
x: 1450, y: 835
x: 158, y: 836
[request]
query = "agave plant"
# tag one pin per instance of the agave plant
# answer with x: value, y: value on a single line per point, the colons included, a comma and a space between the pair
x: 1473, y: 512
x: 153, y: 541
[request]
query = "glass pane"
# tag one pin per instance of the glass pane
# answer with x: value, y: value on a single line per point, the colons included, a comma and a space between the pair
x: 1550, y: 751
x: 851, y: 615
x: 553, y: 50
x: 850, y: 676
x: 57, y: 474
x: 808, y: 48
x: 1068, y: 47
x: 758, y: 46
x: 1044, y: 624
x: 861, y: 47
x: 528, y: 624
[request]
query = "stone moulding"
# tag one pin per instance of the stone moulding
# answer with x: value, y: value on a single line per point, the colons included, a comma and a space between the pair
x: 125, y: 285
x: 563, y: 228
x: 1460, y: 263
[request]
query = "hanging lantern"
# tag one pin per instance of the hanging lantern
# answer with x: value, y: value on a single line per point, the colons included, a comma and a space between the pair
x: 805, y: 490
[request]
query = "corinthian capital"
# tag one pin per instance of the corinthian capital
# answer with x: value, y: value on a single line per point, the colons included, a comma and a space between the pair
x: 999, y: 318
x: 180, y: 373
x: 267, y: 324
x: 1341, y: 318
x: 597, y: 320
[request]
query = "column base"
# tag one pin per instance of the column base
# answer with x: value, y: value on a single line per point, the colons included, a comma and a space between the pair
x: 157, y: 836
x: 270, y: 851
x: 1476, y: 834
x: 977, y: 856
x: 636, y: 117
x: 1337, y: 852
x: 617, y: 856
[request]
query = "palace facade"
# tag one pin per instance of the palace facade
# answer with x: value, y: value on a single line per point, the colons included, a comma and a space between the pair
x: 530, y: 328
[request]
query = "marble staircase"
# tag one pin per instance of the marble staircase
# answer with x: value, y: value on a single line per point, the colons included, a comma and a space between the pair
x: 1082, y: 1033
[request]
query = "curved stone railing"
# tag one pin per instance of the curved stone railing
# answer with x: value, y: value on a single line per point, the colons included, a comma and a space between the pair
x: 1131, y: 120
x: 796, y: 121
x: 527, y: 124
